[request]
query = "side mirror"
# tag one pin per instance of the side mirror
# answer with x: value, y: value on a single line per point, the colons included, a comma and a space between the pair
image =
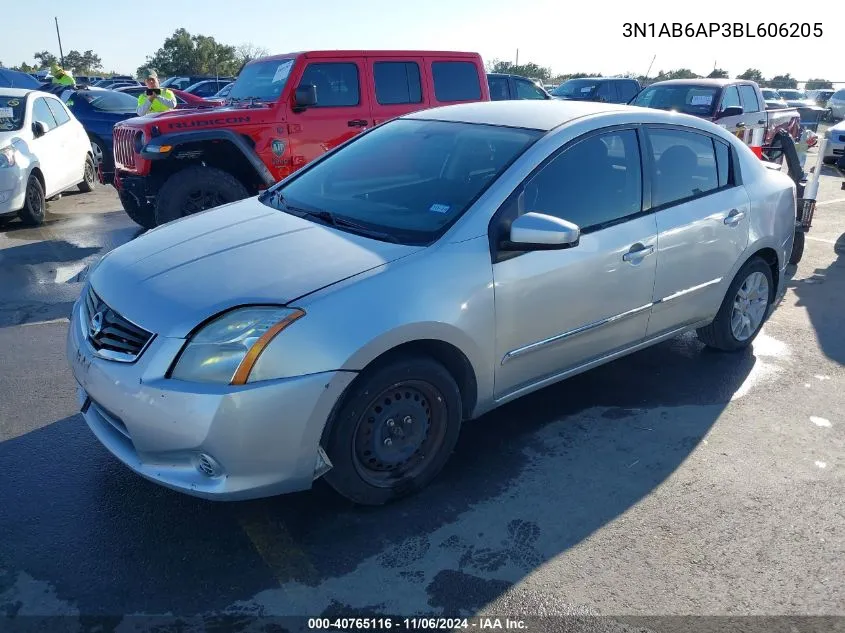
x: 534, y: 231
x: 730, y: 111
x: 305, y: 97
x: 39, y: 129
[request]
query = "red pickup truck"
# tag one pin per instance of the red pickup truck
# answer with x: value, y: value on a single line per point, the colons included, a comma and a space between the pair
x: 283, y: 112
x: 734, y: 104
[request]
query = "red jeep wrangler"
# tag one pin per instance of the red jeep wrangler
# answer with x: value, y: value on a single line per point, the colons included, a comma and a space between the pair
x: 283, y: 112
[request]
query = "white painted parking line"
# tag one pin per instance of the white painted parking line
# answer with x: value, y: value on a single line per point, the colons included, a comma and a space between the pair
x: 820, y: 239
x: 821, y: 204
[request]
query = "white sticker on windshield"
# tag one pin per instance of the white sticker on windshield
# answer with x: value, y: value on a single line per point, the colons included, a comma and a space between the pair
x: 282, y: 71
x: 7, y: 113
x: 587, y: 89
x: 701, y: 100
x: 439, y: 208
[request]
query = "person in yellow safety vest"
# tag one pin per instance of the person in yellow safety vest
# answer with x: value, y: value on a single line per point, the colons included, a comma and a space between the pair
x: 156, y: 98
x: 62, y: 77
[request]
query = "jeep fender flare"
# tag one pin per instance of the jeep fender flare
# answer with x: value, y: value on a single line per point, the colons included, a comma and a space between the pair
x: 182, y: 138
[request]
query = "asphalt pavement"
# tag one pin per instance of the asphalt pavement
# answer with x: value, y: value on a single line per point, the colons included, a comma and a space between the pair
x: 676, y: 481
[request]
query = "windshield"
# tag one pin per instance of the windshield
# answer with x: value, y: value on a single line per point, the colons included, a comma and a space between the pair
x: 576, y: 88
x: 689, y: 99
x: 12, y: 110
x: 263, y: 80
x: 408, y: 180
x: 771, y: 94
x: 792, y: 94
x: 108, y: 100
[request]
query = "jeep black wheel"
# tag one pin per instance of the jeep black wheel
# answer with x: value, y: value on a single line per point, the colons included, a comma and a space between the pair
x: 143, y: 215
x: 196, y: 189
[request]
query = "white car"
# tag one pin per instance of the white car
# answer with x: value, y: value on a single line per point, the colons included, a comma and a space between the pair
x: 835, y: 147
x: 43, y: 151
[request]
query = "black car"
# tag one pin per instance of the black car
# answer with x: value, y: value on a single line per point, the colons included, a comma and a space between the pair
x: 604, y: 89
x: 509, y: 87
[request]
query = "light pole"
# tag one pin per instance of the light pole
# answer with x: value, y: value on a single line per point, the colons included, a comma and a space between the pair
x: 59, y: 35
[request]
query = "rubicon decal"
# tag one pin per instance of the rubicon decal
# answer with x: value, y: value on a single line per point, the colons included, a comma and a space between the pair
x: 229, y: 120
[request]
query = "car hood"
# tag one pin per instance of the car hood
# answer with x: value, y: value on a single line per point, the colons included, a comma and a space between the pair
x: 174, y: 277
x: 7, y: 137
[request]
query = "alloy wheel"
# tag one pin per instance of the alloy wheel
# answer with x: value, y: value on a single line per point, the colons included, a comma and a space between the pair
x: 750, y: 305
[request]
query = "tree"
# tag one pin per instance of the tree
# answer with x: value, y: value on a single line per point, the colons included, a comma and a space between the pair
x: 186, y: 54
x: 46, y: 59
x: 816, y: 84
x: 680, y: 73
x: 782, y: 81
x: 25, y: 68
x: 752, y: 74
x: 530, y: 70
x: 718, y: 73
x: 247, y: 52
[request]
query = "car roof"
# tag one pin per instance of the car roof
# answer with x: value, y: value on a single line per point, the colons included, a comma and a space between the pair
x: 530, y: 114
x: 15, y: 92
x: 716, y: 83
x: 369, y: 53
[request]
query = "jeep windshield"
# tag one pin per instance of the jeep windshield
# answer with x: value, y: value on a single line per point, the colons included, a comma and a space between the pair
x: 686, y: 98
x: 262, y: 80
x: 407, y: 181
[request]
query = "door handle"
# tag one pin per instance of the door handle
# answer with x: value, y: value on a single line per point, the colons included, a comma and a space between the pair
x: 357, y: 123
x: 637, y: 253
x: 762, y: 121
x: 734, y: 217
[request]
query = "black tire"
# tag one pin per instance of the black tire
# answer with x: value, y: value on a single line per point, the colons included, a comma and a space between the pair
x: 797, y: 247
x: 719, y: 334
x: 101, y: 154
x: 425, y: 402
x: 34, y: 204
x: 196, y: 189
x: 89, y: 176
x: 141, y: 215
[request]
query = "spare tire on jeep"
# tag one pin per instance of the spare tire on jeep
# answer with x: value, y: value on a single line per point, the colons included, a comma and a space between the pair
x: 196, y: 189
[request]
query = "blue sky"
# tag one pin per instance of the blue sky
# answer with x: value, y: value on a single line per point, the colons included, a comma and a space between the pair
x: 568, y: 37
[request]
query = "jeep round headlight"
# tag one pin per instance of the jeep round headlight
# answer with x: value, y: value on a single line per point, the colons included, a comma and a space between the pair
x: 225, y: 350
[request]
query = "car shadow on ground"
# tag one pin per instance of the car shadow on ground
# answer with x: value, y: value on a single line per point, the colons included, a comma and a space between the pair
x: 526, y: 483
x: 819, y: 294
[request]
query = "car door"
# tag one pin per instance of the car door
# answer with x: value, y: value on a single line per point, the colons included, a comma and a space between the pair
x: 528, y: 90
x: 702, y: 224
x: 735, y: 124
x: 73, y: 152
x: 342, y: 110
x: 395, y: 87
x: 557, y: 310
x: 48, y: 148
x: 606, y: 92
x: 753, y: 116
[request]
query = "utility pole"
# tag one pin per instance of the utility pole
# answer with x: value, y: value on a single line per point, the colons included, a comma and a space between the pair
x: 517, y: 58
x: 59, y: 35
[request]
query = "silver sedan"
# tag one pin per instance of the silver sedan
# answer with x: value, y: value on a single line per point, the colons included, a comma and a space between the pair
x: 344, y: 323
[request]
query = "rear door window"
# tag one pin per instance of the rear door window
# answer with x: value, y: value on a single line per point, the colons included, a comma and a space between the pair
x: 456, y: 81
x: 683, y: 167
x: 499, y: 90
x: 337, y: 83
x: 606, y: 92
x: 730, y: 99
x: 749, y: 98
x: 58, y: 110
x: 397, y: 82
x: 627, y: 90
x: 527, y: 90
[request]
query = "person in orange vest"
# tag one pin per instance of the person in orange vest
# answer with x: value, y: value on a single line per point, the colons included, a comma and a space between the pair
x: 156, y: 98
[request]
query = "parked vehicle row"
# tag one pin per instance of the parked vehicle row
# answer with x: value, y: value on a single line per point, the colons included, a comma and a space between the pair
x: 44, y: 151
x: 603, y: 229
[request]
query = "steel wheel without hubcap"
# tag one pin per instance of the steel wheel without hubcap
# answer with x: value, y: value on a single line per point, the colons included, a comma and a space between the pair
x: 397, y: 431
x: 750, y: 305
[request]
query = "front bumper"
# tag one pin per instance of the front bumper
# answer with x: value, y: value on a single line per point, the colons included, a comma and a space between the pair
x: 834, y: 146
x: 12, y: 190
x: 210, y: 441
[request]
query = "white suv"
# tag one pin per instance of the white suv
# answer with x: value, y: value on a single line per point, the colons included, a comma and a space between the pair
x: 43, y: 151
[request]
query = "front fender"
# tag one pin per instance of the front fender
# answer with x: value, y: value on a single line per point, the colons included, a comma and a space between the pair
x: 182, y: 138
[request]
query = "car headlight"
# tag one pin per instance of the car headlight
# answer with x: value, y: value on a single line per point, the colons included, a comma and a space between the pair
x: 225, y: 350
x: 7, y: 156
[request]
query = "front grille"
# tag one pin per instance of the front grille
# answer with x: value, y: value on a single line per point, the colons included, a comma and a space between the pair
x: 124, y: 147
x: 112, y: 336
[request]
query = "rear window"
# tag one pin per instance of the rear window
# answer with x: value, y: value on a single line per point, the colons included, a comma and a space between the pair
x: 456, y: 81
x: 397, y: 82
x: 106, y: 100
